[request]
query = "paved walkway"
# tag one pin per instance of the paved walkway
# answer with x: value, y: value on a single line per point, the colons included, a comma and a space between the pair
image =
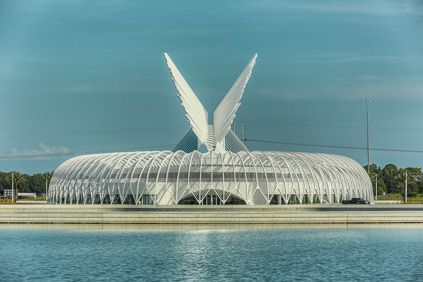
x: 25, y: 202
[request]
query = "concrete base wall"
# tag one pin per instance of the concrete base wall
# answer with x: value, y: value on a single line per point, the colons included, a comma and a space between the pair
x: 126, y: 214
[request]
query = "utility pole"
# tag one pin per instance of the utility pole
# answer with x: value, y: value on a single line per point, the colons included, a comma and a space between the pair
x: 376, y: 187
x: 367, y: 101
x: 242, y: 132
x: 13, y: 188
x: 405, y: 188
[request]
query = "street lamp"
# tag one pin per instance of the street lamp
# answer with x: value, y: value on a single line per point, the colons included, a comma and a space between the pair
x: 13, y: 188
x: 242, y: 132
x: 376, y: 185
x: 367, y: 101
x: 46, y: 184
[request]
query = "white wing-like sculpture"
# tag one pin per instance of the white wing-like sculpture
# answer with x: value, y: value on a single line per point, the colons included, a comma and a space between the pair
x: 211, y: 135
x: 224, y: 114
x: 196, y: 114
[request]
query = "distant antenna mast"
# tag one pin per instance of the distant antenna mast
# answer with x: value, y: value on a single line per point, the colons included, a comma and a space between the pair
x: 242, y: 132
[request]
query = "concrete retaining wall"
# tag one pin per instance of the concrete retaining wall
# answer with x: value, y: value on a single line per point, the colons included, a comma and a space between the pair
x: 125, y: 214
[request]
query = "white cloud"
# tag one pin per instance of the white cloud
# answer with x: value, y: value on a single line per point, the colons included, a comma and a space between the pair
x: 353, y: 58
x: 375, y: 89
x: 42, y: 151
x: 413, y: 6
x: 351, y: 7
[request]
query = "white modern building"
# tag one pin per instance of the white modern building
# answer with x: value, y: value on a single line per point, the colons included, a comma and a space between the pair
x: 210, y: 166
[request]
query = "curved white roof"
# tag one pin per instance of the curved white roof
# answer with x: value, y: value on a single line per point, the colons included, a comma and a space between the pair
x: 166, y: 178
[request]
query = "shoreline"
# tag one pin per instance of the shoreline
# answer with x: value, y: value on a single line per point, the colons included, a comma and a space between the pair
x: 210, y: 215
x: 195, y: 227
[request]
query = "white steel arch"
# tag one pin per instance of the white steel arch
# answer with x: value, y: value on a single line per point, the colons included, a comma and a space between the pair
x: 166, y: 178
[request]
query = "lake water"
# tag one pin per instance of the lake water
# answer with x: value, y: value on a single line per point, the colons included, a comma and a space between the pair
x: 278, y: 254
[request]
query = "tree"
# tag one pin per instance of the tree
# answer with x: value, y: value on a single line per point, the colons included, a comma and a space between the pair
x: 47, y: 177
x: 373, y: 169
x: 381, y: 186
x: 4, y: 182
x: 391, y: 168
x: 36, y: 183
x: 17, y: 179
x: 416, y: 172
x: 389, y: 173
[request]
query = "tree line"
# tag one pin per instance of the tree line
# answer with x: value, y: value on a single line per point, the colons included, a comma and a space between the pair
x: 390, y: 179
x: 25, y: 183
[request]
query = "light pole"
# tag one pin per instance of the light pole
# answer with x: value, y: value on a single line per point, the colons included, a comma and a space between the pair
x: 405, y: 187
x: 46, y: 186
x: 376, y: 187
x: 242, y: 132
x: 367, y: 101
x: 13, y: 189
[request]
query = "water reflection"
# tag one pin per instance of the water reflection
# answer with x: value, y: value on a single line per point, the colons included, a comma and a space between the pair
x: 210, y: 252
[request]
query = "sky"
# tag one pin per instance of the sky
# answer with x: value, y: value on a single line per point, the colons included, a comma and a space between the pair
x: 90, y: 76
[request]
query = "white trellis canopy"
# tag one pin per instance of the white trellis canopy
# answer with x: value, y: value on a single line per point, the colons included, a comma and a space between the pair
x: 166, y: 178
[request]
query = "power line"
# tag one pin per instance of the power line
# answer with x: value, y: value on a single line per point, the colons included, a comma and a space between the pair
x: 336, y: 147
x: 329, y: 126
x: 37, y: 156
x: 95, y: 132
x: 148, y: 129
x: 300, y: 125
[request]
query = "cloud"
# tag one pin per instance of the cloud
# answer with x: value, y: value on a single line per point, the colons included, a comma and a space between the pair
x: 375, y: 88
x: 413, y: 6
x: 356, y: 7
x: 42, y: 151
x: 352, y: 58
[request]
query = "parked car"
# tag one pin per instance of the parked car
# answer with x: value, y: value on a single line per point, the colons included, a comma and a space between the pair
x: 356, y: 201
x: 1, y: 197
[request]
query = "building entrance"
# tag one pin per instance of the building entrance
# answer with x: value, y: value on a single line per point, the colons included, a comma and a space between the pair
x: 211, y: 200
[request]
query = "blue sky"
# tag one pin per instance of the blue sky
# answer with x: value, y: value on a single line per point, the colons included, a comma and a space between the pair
x: 85, y: 76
